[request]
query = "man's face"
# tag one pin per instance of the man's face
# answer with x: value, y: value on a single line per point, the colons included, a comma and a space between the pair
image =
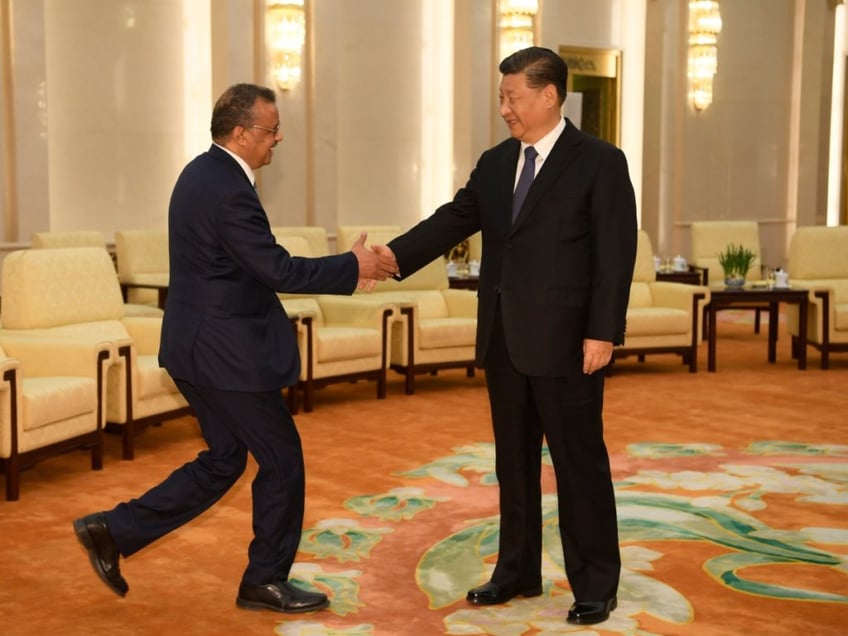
x: 530, y: 113
x: 257, y: 140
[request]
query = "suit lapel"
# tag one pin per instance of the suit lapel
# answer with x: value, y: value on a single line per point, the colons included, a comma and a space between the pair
x: 565, y: 150
x: 506, y: 182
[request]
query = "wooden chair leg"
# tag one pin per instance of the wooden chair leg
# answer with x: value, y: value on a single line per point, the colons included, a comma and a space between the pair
x: 97, y: 453
x: 13, y: 484
x: 308, y: 396
x: 381, y: 385
x: 128, y: 440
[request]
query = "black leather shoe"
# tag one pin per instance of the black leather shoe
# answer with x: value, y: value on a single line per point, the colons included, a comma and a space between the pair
x: 591, y: 612
x: 280, y: 597
x: 491, y: 594
x: 95, y: 537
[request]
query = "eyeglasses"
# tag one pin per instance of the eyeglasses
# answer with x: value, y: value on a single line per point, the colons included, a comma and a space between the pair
x: 274, y: 131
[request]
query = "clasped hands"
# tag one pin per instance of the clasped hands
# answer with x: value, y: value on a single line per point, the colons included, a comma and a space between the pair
x: 375, y: 264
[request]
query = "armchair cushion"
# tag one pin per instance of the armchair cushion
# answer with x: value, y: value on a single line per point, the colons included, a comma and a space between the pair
x: 49, y: 400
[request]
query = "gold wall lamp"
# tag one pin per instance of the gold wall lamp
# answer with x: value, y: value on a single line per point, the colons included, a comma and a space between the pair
x: 704, y: 27
x: 286, y: 24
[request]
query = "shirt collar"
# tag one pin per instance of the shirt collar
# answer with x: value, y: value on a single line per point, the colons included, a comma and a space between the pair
x: 546, y: 143
x: 248, y: 171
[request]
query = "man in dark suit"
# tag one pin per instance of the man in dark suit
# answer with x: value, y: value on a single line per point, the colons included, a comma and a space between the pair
x: 231, y: 350
x: 553, y: 292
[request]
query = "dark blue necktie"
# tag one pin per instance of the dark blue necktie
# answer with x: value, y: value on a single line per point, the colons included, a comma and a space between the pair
x: 525, y: 179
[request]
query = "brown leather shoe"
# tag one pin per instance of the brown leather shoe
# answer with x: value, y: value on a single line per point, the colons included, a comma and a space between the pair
x: 492, y: 594
x: 591, y: 612
x: 281, y: 596
x: 95, y: 537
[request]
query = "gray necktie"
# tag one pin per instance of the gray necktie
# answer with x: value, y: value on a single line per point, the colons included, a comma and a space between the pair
x: 524, y: 180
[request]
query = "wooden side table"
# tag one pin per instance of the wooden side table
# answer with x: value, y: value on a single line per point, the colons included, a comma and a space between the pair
x: 464, y: 282
x: 729, y: 298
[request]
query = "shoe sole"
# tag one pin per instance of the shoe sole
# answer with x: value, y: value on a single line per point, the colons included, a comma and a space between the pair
x: 87, y: 542
x: 535, y: 591
x: 256, y: 605
x: 594, y: 621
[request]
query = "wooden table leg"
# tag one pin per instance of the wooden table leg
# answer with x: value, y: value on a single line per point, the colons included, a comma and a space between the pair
x: 802, y: 333
x: 710, y: 325
x: 772, y: 332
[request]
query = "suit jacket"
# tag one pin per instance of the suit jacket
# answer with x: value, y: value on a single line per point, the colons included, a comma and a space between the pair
x: 562, y: 270
x: 224, y: 325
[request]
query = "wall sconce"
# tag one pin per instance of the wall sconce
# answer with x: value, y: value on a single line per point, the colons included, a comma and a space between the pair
x: 704, y: 27
x: 516, y: 25
x: 286, y: 34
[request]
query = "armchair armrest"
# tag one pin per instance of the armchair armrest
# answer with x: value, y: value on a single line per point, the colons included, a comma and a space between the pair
x: 57, y: 356
x: 461, y: 302
x: 145, y: 332
x: 677, y: 295
x: 359, y: 311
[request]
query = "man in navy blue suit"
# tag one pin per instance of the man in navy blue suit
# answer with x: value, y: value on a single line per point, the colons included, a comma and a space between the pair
x: 230, y: 348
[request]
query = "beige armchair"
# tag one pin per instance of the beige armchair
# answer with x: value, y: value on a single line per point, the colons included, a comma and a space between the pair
x: 52, y: 394
x: 818, y: 261
x: 75, y: 293
x: 438, y: 325
x: 710, y: 238
x: 340, y: 340
x: 143, y: 265
x: 662, y: 317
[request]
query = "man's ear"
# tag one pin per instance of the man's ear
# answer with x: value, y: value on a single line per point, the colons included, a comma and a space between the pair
x: 551, y: 96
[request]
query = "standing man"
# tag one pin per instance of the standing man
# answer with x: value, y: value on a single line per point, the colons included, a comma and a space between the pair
x: 231, y: 350
x: 553, y: 292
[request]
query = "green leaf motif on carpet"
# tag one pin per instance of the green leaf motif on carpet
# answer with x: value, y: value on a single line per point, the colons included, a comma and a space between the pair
x: 657, y: 450
x: 477, y: 458
x: 311, y: 628
x: 341, y: 539
x: 396, y: 505
x: 796, y: 448
x: 341, y: 586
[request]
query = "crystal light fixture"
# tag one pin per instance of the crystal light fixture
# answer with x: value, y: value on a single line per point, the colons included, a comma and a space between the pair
x: 704, y: 27
x: 516, y: 25
x: 286, y: 34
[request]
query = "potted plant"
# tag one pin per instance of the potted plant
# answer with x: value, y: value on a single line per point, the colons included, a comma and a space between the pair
x: 736, y: 260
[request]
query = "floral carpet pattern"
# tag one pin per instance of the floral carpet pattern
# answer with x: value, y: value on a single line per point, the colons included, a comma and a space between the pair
x: 670, y: 497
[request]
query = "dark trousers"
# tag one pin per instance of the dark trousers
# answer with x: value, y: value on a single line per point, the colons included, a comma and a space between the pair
x: 232, y: 423
x: 567, y: 413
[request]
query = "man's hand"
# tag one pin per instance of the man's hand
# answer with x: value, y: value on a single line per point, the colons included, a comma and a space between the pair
x: 375, y: 265
x: 596, y: 355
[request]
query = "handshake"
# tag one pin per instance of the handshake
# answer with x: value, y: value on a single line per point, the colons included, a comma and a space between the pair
x: 375, y: 264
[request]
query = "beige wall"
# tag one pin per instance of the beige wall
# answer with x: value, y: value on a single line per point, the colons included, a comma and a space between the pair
x: 105, y: 100
x: 759, y: 152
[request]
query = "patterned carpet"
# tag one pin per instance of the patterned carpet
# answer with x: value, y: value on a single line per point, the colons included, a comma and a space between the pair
x: 732, y: 493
